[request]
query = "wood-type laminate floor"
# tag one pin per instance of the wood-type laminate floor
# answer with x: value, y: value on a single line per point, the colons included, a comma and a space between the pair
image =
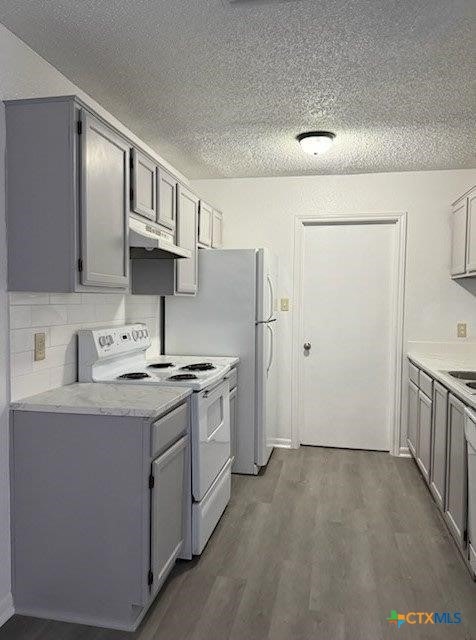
x: 321, y: 546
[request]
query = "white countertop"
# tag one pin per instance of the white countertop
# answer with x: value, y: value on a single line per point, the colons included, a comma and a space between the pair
x: 436, y: 362
x: 140, y: 401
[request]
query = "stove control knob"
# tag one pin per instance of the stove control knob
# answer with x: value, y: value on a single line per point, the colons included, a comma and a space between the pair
x: 109, y: 339
x: 135, y: 335
x: 146, y: 333
x: 102, y: 341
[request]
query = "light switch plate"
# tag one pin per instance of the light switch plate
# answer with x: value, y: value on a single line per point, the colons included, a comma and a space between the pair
x: 284, y: 304
x: 461, y: 330
x: 40, y: 346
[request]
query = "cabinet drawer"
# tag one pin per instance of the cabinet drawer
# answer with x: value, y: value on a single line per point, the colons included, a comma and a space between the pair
x: 168, y: 429
x: 413, y: 374
x: 233, y: 378
x: 426, y: 384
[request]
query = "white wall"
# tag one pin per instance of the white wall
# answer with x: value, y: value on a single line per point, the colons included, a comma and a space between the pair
x: 261, y: 211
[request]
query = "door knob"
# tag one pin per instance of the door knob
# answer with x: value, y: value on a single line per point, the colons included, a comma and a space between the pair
x: 307, y: 346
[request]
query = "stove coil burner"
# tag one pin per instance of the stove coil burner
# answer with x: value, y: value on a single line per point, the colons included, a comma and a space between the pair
x: 199, y: 366
x: 161, y: 365
x: 183, y: 376
x: 136, y: 375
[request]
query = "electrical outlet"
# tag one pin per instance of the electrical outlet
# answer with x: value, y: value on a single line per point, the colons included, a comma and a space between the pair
x: 284, y: 304
x: 461, y: 329
x: 40, y: 346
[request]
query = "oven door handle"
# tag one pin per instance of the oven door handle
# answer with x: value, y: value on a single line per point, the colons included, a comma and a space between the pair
x: 209, y: 391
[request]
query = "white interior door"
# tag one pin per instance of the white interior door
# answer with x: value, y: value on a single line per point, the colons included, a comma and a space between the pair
x: 348, y: 291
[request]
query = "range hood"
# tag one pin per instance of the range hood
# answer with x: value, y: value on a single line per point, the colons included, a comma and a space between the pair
x: 146, y: 241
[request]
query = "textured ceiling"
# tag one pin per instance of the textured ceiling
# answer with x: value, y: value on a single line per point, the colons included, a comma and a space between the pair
x: 221, y: 87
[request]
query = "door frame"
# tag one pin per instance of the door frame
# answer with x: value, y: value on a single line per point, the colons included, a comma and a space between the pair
x: 395, y: 409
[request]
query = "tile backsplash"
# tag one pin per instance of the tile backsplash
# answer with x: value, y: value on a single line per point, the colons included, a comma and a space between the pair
x: 60, y: 316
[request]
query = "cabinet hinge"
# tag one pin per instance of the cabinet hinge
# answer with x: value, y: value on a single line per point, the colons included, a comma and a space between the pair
x: 131, y: 161
x: 150, y: 578
x: 80, y: 127
x: 80, y: 264
x: 131, y: 193
x: 151, y: 481
x: 465, y: 535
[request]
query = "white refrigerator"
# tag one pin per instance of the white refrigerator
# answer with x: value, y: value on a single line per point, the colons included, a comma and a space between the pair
x: 235, y: 314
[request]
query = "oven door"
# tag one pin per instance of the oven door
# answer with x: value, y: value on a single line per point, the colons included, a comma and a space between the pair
x: 210, y: 436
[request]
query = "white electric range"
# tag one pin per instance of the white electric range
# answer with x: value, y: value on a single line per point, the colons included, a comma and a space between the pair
x: 118, y: 354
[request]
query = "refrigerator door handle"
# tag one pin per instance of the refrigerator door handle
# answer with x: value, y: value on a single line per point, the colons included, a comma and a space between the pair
x: 271, y: 291
x: 271, y: 349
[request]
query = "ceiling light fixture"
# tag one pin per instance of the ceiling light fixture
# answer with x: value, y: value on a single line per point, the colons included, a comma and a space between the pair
x: 316, y: 142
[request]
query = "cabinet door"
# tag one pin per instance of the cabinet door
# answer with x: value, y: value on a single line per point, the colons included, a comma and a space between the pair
x: 104, y: 205
x: 412, y: 425
x: 187, y: 222
x: 424, y: 435
x: 471, y: 245
x: 143, y: 186
x: 167, y: 510
x: 233, y: 441
x: 438, y: 446
x: 458, y: 252
x: 456, y: 472
x: 217, y: 230
x: 166, y: 199
x: 205, y: 224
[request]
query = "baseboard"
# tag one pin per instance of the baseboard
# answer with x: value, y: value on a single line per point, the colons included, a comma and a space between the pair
x: 282, y: 443
x: 404, y: 452
x: 6, y: 608
x: 60, y: 616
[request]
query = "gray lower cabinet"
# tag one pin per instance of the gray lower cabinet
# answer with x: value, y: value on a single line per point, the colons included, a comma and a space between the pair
x: 438, y: 446
x: 67, y: 198
x: 424, y: 435
x: 412, y: 424
x: 169, y: 478
x: 186, y: 274
x: 456, y: 472
x: 101, y: 509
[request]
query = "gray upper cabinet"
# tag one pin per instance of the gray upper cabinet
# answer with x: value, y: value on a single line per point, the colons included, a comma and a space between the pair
x: 67, y: 198
x: 217, y: 229
x: 463, y: 248
x: 143, y: 185
x: 456, y: 472
x: 166, y: 199
x: 438, y: 446
x: 471, y: 243
x: 104, y: 205
x: 205, y: 224
x: 412, y: 426
x: 186, y: 274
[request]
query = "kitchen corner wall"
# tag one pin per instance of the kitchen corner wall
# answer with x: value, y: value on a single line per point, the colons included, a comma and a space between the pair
x: 261, y: 212
x: 60, y: 316
x: 24, y: 74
